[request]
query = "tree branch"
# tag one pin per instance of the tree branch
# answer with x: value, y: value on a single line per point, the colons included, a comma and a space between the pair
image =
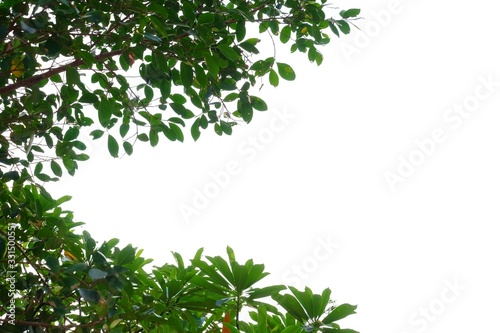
x: 37, y: 78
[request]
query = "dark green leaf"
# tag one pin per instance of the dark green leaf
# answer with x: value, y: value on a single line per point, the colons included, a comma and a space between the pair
x: 113, y: 147
x: 126, y: 256
x: 201, y: 76
x: 274, y: 79
x: 71, y: 134
x: 153, y: 137
x: 165, y: 86
x: 258, y: 104
x: 228, y: 51
x: 285, y: 34
x: 89, y: 295
x: 88, y: 98
x: 149, y: 93
x: 186, y: 75
x: 96, y: 134
x: 341, y: 311
x: 56, y: 169
x: 127, y: 146
x: 226, y: 128
x: 240, y: 30
x: 72, y: 75
x: 124, y: 128
x: 206, y: 18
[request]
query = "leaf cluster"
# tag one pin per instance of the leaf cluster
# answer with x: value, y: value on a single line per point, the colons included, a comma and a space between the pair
x: 136, y: 70
x: 59, y: 279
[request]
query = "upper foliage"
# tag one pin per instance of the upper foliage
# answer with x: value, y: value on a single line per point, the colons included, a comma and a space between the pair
x: 64, y: 65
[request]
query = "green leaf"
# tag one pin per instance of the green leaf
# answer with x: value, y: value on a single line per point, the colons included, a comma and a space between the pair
x: 149, y: 93
x: 285, y: 71
x: 195, y: 129
x: 89, y: 295
x: 265, y: 292
x: 350, y: 13
x: 245, y: 108
x: 217, y: 129
x: 88, y: 98
x: 293, y: 329
x: 104, y: 112
x: 274, y: 79
x: 292, y: 306
x: 285, y: 34
x: 231, y: 97
x: 228, y: 52
x: 127, y: 146
x: 165, y: 87
x: 143, y: 137
x: 113, y: 147
x: 186, y: 75
x: 125, y: 256
x: 178, y: 132
x: 124, y: 128
x: 213, y: 67
x: 153, y: 137
x: 79, y: 145
x: 56, y: 168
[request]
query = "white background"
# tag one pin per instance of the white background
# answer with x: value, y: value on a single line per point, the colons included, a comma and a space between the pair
x: 320, y: 178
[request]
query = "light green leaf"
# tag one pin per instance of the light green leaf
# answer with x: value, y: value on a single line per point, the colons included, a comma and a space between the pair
x: 258, y: 104
x: 341, y: 311
x: 195, y: 129
x: 285, y: 71
x: 127, y: 146
x: 97, y: 274
x: 186, y: 75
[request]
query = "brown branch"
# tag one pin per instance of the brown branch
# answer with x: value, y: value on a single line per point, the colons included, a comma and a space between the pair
x: 37, y: 78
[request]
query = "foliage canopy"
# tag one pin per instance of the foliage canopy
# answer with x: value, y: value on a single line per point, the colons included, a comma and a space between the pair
x: 136, y: 70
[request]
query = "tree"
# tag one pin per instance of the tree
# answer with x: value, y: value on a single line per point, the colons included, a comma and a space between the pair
x: 65, y: 67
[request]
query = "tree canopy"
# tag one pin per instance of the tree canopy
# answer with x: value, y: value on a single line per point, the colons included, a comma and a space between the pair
x: 134, y: 71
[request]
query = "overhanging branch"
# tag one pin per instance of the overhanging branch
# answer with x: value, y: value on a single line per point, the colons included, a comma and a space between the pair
x: 30, y: 81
